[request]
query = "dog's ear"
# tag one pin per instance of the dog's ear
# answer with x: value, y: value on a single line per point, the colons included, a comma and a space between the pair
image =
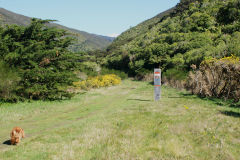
x: 13, y: 133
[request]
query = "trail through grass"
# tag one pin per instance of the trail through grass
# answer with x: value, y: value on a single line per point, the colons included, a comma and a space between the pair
x: 123, y: 122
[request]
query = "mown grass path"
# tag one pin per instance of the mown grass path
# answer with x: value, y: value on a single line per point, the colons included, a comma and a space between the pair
x: 123, y: 122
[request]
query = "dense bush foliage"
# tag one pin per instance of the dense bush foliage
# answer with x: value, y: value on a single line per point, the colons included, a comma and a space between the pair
x: 9, y: 79
x: 175, y: 78
x: 90, y: 68
x: 98, y: 81
x: 121, y: 74
x: 40, y: 57
x: 192, y: 31
x: 217, y: 78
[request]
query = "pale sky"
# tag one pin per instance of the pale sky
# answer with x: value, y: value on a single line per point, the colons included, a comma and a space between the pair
x: 103, y: 17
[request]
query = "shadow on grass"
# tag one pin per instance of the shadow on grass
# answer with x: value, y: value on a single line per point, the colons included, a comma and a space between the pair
x: 184, y: 95
x: 217, y: 101
x: 130, y: 88
x: 222, y: 102
x: 237, y: 105
x: 7, y: 142
x: 151, y: 82
x: 145, y: 100
x: 81, y: 93
x: 231, y: 113
x: 176, y: 97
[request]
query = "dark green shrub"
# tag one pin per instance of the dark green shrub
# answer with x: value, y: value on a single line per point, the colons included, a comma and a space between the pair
x: 41, y: 56
x: 92, y: 69
x: 229, y: 13
x: 9, y: 80
x: 175, y: 74
x: 175, y: 77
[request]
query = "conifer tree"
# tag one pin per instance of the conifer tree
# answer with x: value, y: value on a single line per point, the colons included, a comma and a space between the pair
x: 40, y: 55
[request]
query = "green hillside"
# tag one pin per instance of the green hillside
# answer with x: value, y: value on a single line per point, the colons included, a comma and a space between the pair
x: 179, y: 37
x: 85, y: 41
x: 138, y: 30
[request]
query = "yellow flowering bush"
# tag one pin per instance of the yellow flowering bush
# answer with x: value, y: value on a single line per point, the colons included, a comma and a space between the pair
x: 227, y: 60
x: 98, y: 81
x: 217, y: 78
x: 231, y: 59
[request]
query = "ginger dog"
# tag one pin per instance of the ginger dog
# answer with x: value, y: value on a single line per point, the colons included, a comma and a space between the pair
x: 16, y: 135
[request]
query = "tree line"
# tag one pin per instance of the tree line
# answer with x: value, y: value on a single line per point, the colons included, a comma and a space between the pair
x: 193, y: 32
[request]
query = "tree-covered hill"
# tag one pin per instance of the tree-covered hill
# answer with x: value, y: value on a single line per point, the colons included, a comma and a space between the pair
x: 138, y: 30
x: 85, y: 41
x: 184, y: 35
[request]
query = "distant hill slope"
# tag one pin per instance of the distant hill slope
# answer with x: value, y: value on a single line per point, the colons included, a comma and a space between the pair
x: 176, y: 39
x: 85, y: 41
x: 147, y: 25
x: 138, y: 30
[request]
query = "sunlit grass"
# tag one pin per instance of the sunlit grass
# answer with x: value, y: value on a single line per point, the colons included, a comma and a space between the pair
x: 123, y: 122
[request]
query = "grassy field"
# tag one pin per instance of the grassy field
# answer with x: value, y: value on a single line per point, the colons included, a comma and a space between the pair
x: 123, y: 122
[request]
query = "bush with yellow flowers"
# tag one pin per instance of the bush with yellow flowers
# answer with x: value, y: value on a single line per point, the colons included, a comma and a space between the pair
x: 217, y: 78
x: 98, y: 81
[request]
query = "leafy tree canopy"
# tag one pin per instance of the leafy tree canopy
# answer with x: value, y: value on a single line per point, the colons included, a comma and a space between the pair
x: 41, y: 58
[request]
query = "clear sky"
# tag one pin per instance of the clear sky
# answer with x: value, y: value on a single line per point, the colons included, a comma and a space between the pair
x: 104, y: 17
